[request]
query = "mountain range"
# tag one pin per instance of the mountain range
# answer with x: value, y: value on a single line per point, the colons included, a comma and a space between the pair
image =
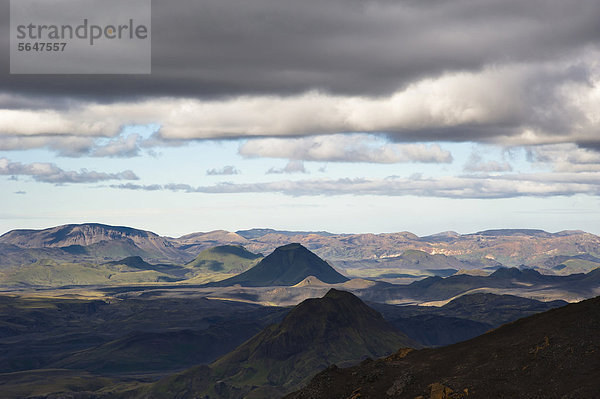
x: 292, y: 273
x: 559, y: 252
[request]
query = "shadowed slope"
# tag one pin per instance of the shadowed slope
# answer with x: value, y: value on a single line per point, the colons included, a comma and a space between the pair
x: 549, y: 355
x: 463, y: 318
x: 338, y: 328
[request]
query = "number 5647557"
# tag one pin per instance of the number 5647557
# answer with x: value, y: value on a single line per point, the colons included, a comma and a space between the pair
x: 41, y: 46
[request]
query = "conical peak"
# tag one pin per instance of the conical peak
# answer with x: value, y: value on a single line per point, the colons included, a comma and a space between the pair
x: 291, y: 247
x: 338, y: 294
x: 327, y: 315
x: 287, y: 265
x: 337, y: 301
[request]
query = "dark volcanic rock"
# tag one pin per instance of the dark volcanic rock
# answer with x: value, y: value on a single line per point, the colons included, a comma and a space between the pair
x: 338, y: 328
x: 555, y: 354
x: 287, y: 265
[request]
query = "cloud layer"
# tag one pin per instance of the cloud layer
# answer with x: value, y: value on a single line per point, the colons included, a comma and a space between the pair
x: 50, y: 173
x: 509, y: 105
x: 477, y: 164
x: 209, y: 48
x: 344, y: 148
x: 554, y: 170
x: 501, y: 71
x: 476, y: 186
x: 372, y: 81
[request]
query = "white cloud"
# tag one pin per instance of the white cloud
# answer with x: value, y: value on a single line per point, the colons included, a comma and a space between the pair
x: 123, y: 145
x: 477, y: 164
x: 65, y: 145
x: 565, y: 158
x: 290, y: 167
x: 516, y: 104
x: 50, y: 173
x: 118, y: 147
x: 344, y: 148
x: 476, y: 186
x: 225, y: 170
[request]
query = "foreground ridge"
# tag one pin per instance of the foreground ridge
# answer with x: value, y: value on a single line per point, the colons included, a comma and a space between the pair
x: 555, y: 354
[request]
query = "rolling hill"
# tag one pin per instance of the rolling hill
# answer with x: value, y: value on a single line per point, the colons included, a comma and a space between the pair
x: 526, y: 282
x: 410, y: 263
x: 50, y: 273
x: 224, y: 259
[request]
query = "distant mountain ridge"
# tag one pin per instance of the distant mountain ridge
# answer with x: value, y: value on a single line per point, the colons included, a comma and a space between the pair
x: 89, y: 242
x: 75, y: 234
x: 256, y: 233
x: 100, y: 243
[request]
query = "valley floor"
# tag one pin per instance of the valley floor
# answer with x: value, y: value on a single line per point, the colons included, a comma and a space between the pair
x: 104, y: 339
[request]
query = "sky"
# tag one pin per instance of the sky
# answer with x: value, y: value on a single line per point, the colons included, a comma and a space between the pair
x: 348, y: 116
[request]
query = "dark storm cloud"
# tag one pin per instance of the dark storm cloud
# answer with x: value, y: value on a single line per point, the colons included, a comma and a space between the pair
x: 508, y: 72
x: 208, y: 48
